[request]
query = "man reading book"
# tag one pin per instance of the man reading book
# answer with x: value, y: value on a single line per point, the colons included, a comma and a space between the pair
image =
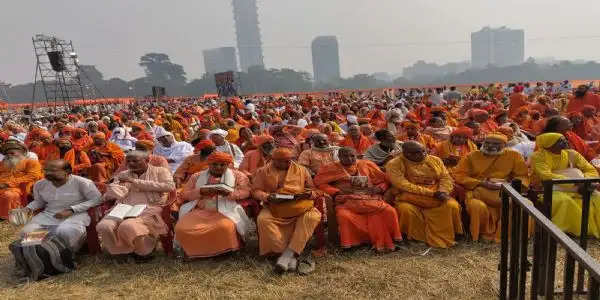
x: 285, y: 225
x: 141, y: 184
x: 216, y: 223
x: 65, y: 199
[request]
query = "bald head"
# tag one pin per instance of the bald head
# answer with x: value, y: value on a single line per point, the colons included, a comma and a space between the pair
x: 414, y: 151
x: 57, y: 171
x: 320, y: 140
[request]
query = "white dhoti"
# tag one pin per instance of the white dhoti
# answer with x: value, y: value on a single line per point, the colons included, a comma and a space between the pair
x: 72, y: 229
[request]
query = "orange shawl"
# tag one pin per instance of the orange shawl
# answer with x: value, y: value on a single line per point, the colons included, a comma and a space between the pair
x: 363, y: 144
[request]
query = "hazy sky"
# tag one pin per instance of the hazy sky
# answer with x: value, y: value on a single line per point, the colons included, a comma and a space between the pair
x: 374, y: 35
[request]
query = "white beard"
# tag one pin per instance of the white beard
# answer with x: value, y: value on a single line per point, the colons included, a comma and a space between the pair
x: 492, y: 153
x: 11, y: 162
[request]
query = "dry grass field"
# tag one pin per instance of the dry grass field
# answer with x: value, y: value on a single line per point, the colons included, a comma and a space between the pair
x: 468, y: 271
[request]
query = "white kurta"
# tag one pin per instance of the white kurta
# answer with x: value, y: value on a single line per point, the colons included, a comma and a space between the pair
x: 237, y: 154
x: 177, y: 152
x: 78, y: 194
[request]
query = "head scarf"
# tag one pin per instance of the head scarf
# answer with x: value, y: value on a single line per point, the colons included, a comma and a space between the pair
x: 203, y: 144
x: 547, y: 140
x: 352, y: 119
x: 259, y: 140
x: 219, y: 157
x: 507, y: 131
x: 100, y: 135
x: 137, y: 125
x: 466, y: 131
x: 161, y: 131
x: 45, y: 134
x: 220, y: 132
x: 282, y: 154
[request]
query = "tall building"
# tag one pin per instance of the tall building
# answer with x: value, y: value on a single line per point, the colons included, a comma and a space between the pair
x: 219, y: 60
x: 497, y: 46
x: 245, y: 14
x: 325, y: 58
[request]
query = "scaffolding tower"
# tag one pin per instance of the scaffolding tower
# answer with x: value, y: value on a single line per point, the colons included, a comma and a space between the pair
x: 62, y: 85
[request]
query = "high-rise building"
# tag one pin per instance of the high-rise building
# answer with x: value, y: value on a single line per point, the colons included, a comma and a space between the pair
x: 220, y: 60
x: 245, y: 14
x: 497, y: 46
x: 325, y: 58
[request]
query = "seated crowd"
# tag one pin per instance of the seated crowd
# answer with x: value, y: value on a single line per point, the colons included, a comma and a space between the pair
x: 378, y: 171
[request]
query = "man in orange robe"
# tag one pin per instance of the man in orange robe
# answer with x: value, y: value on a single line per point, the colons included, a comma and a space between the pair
x: 320, y: 153
x: 457, y: 147
x: 105, y: 157
x: 153, y: 160
x: 78, y: 160
x: 581, y: 98
x: 286, y: 223
x: 481, y: 173
x: 259, y: 157
x: 217, y: 222
x: 45, y: 147
x: 426, y: 212
x: 80, y: 139
x: 486, y: 124
x: 194, y: 163
x: 411, y: 133
x: 357, y: 187
x: 356, y: 140
x: 17, y: 176
x: 138, y: 131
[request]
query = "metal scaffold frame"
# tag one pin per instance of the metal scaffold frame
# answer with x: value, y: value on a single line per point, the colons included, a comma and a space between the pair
x: 64, y: 85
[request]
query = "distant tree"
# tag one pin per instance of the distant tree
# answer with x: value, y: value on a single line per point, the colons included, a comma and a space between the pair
x: 90, y: 73
x: 161, y: 70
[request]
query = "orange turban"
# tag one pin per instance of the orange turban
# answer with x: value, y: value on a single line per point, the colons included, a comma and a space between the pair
x: 507, y: 131
x: 45, y: 134
x: 137, y: 125
x: 476, y: 112
x: 81, y: 131
x: 259, y: 140
x: 68, y: 129
x: 219, y: 157
x: 463, y: 130
x: 283, y: 154
x: 147, y: 144
x: 100, y: 135
x: 203, y: 144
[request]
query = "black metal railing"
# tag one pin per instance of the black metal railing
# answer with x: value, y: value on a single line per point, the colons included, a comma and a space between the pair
x: 517, y: 211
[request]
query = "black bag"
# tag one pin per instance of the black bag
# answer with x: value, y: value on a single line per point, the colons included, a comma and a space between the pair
x: 38, y: 262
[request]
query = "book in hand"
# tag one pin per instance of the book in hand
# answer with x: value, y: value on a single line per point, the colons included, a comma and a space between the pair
x: 34, y: 238
x: 124, y: 211
x: 218, y: 186
x: 284, y: 197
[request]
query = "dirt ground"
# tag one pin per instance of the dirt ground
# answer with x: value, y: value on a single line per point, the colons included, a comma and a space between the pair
x: 467, y: 271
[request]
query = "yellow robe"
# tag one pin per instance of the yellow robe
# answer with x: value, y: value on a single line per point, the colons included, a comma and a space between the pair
x: 422, y: 217
x: 446, y: 148
x: 567, y: 206
x: 483, y: 205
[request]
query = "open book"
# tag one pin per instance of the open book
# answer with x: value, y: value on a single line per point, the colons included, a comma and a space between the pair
x: 218, y: 186
x: 34, y: 238
x: 124, y: 211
